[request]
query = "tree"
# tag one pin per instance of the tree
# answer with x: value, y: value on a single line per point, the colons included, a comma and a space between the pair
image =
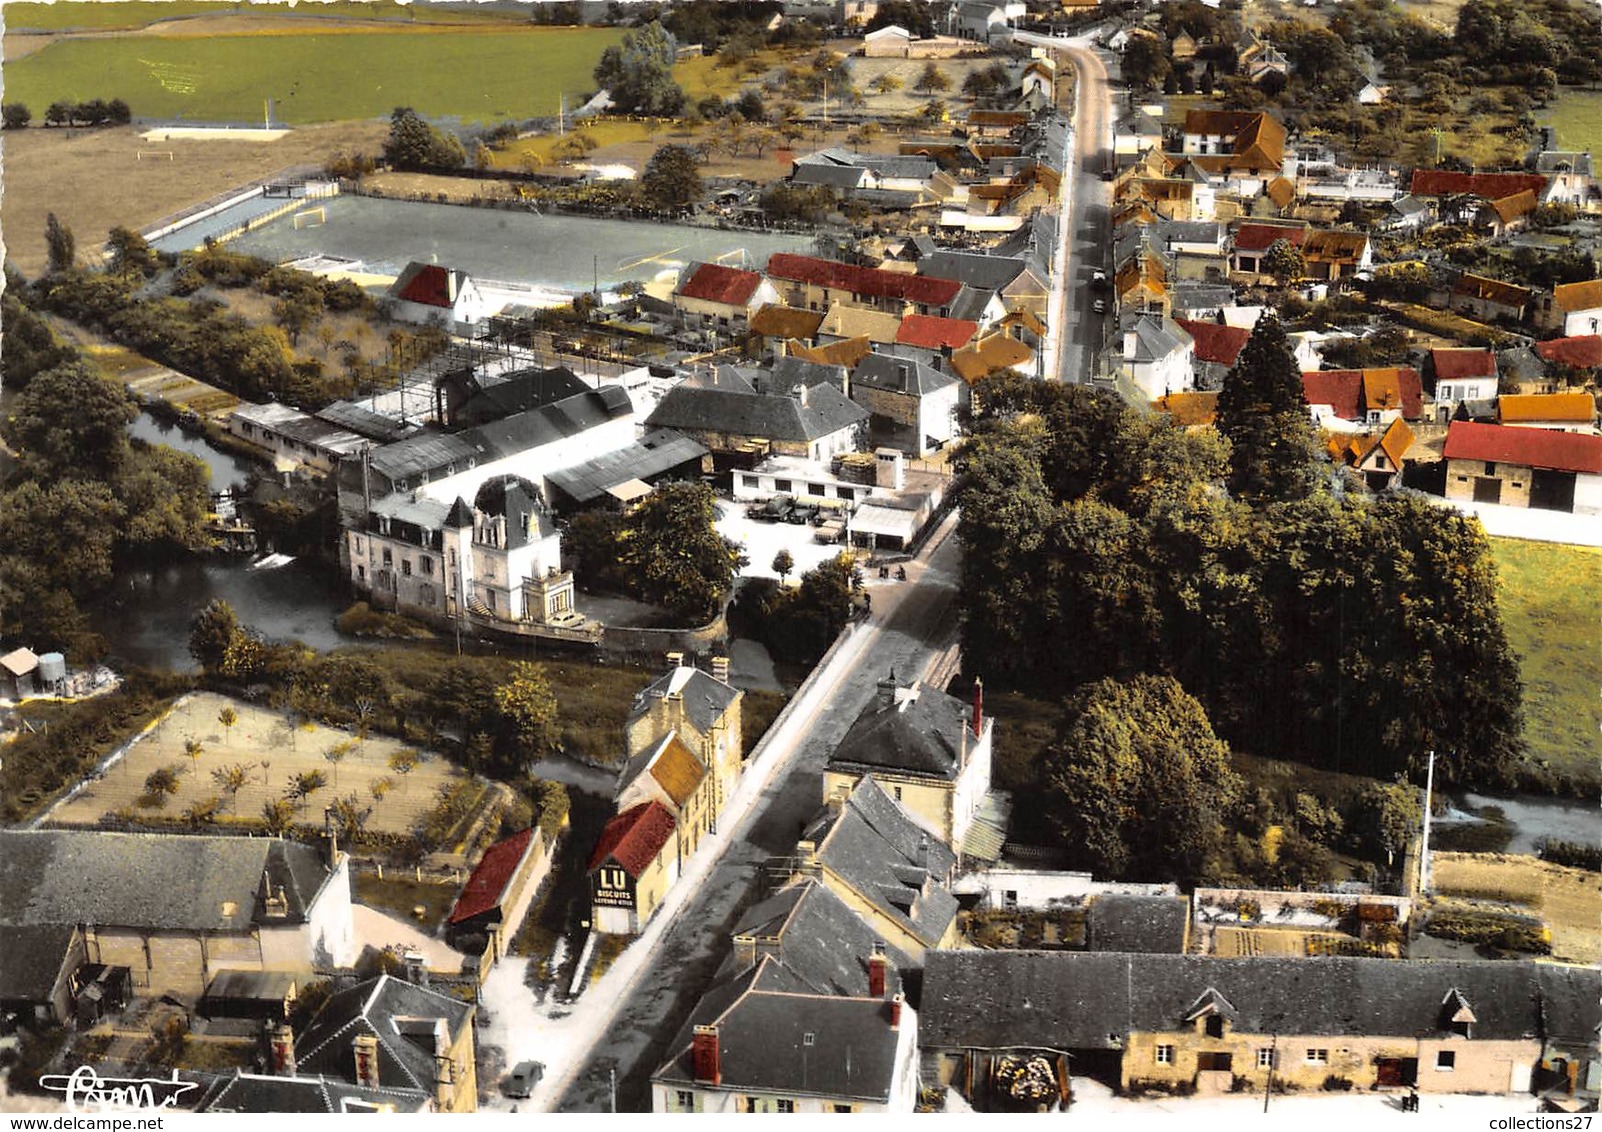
x: 71, y: 423
x: 60, y: 245
x: 672, y: 179
x: 1385, y: 818
x: 403, y: 762
x: 130, y: 254
x: 59, y: 114
x: 211, y: 632
x: 1263, y: 412
x: 783, y: 563
x: 227, y: 717
x: 162, y: 782
x: 1283, y: 260
x: 1144, y: 64
x: 932, y: 80
x: 232, y: 779
x: 278, y: 816
x: 379, y: 787
x: 350, y: 816
x: 15, y: 116
x: 672, y: 554
x: 887, y: 83
x: 414, y: 144
x: 306, y: 783
x: 529, y: 706
x: 202, y: 811
x: 1142, y: 786
x: 638, y: 73
x: 913, y: 15
x: 336, y: 754
x: 193, y: 749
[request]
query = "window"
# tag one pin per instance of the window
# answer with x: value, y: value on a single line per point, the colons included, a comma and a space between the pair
x: 783, y: 485
x: 1490, y: 468
x: 782, y: 1105
x: 749, y: 481
x: 842, y: 1108
x: 1165, y: 1055
x: 1215, y: 1025
x: 389, y: 559
x: 817, y: 489
x: 361, y: 573
x: 1318, y: 1057
x: 685, y: 1099
x: 898, y: 793
x: 752, y: 1104
x: 406, y: 567
x: 428, y: 565
x: 1446, y: 1061
x: 1265, y: 1058
x: 358, y: 544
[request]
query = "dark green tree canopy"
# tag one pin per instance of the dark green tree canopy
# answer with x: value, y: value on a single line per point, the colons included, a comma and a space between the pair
x: 414, y: 144
x: 672, y: 179
x: 674, y: 555
x: 638, y: 73
x: 1262, y: 411
x: 1141, y: 785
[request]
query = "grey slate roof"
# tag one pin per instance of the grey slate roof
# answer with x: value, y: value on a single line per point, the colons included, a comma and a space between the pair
x: 1092, y: 1000
x: 151, y: 880
x: 1129, y: 923
x: 365, y: 422
x: 704, y: 409
x: 399, y: 1014
x: 920, y: 733
x: 1035, y: 242
x: 798, y: 1044
x: 1560, y: 161
x: 834, y: 176
x: 657, y: 452
x: 970, y: 303
x: 983, y: 272
x: 1195, y: 297
x: 432, y: 453
x: 789, y: 372
x: 1156, y: 337
x: 705, y: 699
x: 31, y: 957
x: 252, y: 1092
x: 893, y: 863
x: 899, y: 375
x: 493, y: 398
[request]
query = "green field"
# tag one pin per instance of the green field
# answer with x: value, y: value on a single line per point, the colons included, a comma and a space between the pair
x: 140, y: 13
x: 479, y: 76
x: 1577, y: 114
x: 1549, y: 597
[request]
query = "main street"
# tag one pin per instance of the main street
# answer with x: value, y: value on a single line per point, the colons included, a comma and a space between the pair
x: 1086, y: 232
x: 623, y: 1022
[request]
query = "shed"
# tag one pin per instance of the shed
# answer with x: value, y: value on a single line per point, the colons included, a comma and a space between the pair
x: 249, y: 994
x: 18, y: 670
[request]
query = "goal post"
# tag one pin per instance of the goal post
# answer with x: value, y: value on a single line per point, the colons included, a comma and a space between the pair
x: 153, y: 154
x: 311, y: 218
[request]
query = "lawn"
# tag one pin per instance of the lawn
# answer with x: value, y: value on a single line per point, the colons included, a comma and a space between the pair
x: 320, y: 75
x: 401, y: 896
x: 1577, y: 114
x: 65, y: 16
x: 1548, y: 597
x: 1568, y: 900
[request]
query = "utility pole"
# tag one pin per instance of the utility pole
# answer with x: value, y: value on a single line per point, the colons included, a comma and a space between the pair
x: 1273, y: 1059
x: 611, y: 1084
x: 1424, y: 849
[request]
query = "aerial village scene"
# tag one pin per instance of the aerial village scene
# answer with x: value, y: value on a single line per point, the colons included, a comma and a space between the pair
x: 802, y: 556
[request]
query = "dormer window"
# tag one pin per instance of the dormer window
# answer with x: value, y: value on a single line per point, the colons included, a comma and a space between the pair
x: 1215, y: 1025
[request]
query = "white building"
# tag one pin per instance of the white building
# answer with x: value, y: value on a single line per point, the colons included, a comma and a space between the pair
x: 1158, y: 356
x: 427, y: 293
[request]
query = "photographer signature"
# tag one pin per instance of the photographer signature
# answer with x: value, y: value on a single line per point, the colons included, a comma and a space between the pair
x: 85, y: 1087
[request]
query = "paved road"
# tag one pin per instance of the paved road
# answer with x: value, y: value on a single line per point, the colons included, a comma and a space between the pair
x: 1087, y: 233
x: 643, y: 1000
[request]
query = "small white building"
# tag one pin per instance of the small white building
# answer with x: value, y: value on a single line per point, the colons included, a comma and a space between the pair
x: 295, y: 439
x: 427, y: 293
x: 1158, y: 356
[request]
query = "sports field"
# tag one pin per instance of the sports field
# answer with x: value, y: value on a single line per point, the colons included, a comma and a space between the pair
x: 320, y: 74
x: 89, y: 14
x: 1577, y: 114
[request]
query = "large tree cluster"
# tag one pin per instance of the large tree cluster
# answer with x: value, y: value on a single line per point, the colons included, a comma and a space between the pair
x: 638, y: 73
x: 1310, y: 622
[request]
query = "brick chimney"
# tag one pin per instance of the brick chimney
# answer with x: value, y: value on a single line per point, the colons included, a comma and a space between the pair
x: 720, y: 669
x: 365, y: 1047
x: 878, y: 971
x: 331, y: 833
x: 978, y: 707
x: 705, y: 1060
x: 895, y: 1012
x: 887, y: 691
x: 416, y: 972
x: 281, y: 1049
x: 675, y: 660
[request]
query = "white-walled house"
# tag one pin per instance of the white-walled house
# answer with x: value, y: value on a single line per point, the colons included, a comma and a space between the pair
x: 1579, y: 305
x: 428, y: 293
x: 1158, y: 356
x: 720, y: 298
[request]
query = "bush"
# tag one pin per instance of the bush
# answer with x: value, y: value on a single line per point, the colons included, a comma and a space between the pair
x: 1489, y: 929
x: 1574, y: 854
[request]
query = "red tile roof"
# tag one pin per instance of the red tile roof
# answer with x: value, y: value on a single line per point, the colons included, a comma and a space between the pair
x: 489, y: 880
x: 1257, y: 237
x: 429, y: 286
x: 926, y: 290
x: 1584, y: 351
x: 634, y: 838
x: 714, y: 283
x: 1339, y: 388
x: 1526, y: 447
x: 1491, y: 186
x: 930, y: 333
x: 1216, y: 342
x: 1458, y: 363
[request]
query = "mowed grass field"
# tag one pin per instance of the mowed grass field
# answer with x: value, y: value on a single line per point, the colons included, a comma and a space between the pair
x: 1577, y: 114
x: 1549, y: 605
x: 320, y: 75
x: 76, y: 14
x: 1568, y: 900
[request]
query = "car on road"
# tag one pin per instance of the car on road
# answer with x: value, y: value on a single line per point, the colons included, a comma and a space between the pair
x: 774, y: 510
x: 1099, y: 306
x: 801, y: 513
x: 1098, y: 279
x: 521, y: 1080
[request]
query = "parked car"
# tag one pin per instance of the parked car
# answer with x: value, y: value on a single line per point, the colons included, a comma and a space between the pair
x: 829, y: 532
x: 521, y: 1080
x: 801, y: 513
x: 1098, y: 279
x: 773, y: 510
x: 1099, y: 306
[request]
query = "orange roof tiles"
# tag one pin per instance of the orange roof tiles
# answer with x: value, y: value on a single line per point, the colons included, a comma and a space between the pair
x: 634, y: 838
x: 1571, y: 297
x: 1490, y: 186
x: 1471, y: 286
x: 930, y: 333
x: 927, y: 290
x: 678, y: 771
x: 1456, y: 363
x: 1570, y: 408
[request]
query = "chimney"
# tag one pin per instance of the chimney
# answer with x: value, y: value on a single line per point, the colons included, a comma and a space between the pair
x: 878, y: 970
x: 887, y: 691
x: 450, y: 285
x: 1129, y: 343
x: 906, y: 376
x: 720, y: 669
x: 704, y: 1057
x: 675, y: 660
x: 444, y: 1068
x: 281, y: 1049
x: 978, y: 707
x: 366, y: 1050
x: 895, y: 1012
x: 331, y: 832
x: 801, y: 395
x: 416, y: 973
